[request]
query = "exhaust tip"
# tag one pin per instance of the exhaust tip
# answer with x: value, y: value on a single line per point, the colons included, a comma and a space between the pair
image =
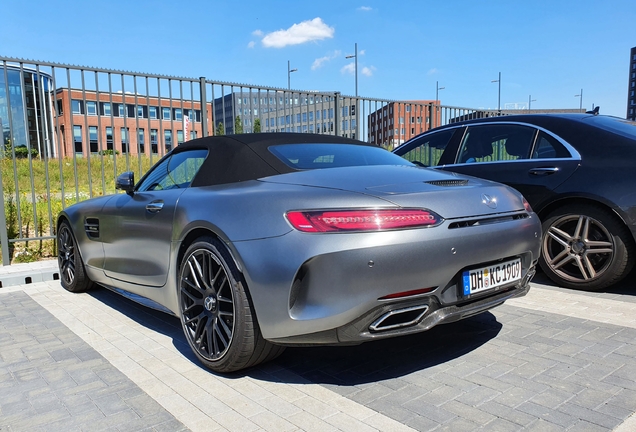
x: 399, y: 318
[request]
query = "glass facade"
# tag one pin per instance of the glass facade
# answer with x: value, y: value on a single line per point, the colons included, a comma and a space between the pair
x: 25, y: 109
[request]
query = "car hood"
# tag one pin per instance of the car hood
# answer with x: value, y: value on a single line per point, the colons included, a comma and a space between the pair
x: 450, y: 195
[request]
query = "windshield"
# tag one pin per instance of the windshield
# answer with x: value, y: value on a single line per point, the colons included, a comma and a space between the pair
x: 316, y: 156
x: 616, y: 125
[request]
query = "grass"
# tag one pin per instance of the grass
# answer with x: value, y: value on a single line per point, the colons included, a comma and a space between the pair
x: 35, y: 191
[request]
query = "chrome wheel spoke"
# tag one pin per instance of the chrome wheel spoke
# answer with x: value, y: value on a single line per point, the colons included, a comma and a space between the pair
x: 559, y: 236
x: 561, y: 259
x: 588, y: 265
x: 582, y: 224
x: 580, y: 265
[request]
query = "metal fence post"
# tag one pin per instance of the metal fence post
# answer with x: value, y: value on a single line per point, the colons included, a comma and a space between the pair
x: 204, y: 107
x: 4, y: 238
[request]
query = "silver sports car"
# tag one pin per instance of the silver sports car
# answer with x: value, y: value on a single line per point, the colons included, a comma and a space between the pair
x: 259, y: 241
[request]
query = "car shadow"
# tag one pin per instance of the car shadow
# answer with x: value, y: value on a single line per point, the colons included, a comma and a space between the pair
x: 337, y: 365
x: 625, y: 287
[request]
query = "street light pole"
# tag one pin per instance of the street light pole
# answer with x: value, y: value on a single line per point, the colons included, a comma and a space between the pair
x: 289, y: 71
x: 530, y: 100
x: 499, y: 93
x: 437, y: 89
x: 580, y: 101
x: 355, y: 56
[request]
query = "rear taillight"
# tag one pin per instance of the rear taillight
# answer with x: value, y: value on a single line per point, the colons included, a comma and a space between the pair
x: 361, y: 220
x: 526, y: 205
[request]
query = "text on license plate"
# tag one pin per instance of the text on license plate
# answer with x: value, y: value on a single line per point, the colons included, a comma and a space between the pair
x: 492, y: 276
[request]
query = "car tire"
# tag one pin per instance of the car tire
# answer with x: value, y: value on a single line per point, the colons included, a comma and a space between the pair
x: 216, y: 312
x: 72, y: 272
x: 585, y: 247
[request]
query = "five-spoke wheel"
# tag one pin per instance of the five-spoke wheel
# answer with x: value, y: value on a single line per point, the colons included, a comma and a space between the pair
x: 585, y: 247
x: 216, y: 313
x: 72, y: 273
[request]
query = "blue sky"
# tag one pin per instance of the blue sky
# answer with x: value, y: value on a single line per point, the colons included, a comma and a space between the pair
x: 547, y: 49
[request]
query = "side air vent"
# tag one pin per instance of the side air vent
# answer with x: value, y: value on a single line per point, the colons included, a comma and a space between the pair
x: 486, y: 221
x: 91, y: 226
x: 447, y: 183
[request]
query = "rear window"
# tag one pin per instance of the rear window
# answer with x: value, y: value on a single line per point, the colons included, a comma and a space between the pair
x: 316, y: 156
x: 616, y: 125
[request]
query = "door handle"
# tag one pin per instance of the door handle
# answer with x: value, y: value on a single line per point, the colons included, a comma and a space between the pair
x: 544, y: 171
x: 154, y: 206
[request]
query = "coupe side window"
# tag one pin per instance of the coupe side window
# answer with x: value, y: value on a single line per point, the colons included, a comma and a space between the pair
x: 174, y: 172
x: 429, y: 149
x: 492, y: 143
x: 548, y: 147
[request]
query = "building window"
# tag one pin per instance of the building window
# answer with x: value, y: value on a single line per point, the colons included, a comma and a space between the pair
x: 124, y: 140
x: 141, y: 141
x: 109, y: 138
x: 105, y: 109
x: 91, y: 108
x: 167, y: 137
x: 193, y: 134
x: 77, y: 139
x: 60, y: 111
x: 77, y: 106
x: 178, y: 114
x: 154, y: 140
x: 152, y: 112
x: 165, y: 113
x: 179, y: 137
x: 92, y: 136
x: 408, y: 108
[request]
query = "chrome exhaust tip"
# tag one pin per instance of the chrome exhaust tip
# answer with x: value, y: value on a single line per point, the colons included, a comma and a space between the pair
x: 399, y: 318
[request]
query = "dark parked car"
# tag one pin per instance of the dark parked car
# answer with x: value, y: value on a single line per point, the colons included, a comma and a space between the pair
x: 258, y: 241
x: 578, y: 171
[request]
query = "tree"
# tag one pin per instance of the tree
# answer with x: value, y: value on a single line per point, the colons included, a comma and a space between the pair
x: 238, y: 125
x: 257, y: 125
x: 220, y: 130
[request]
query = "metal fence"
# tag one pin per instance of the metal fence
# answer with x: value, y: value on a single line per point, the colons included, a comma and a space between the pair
x: 69, y: 131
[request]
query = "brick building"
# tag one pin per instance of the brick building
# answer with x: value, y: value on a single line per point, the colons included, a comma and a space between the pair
x: 89, y: 122
x: 397, y: 122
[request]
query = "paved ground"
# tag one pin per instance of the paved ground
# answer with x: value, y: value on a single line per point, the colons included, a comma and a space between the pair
x: 553, y: 360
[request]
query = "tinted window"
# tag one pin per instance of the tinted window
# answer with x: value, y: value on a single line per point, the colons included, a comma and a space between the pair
x: 315, y: 156
x: 490, y: 143
x: 427, y: 150
x: 174, y: 172
x: 548, y: 147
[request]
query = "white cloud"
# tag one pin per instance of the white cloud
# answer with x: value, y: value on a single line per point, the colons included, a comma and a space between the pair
x: 432, y: 71
x: 306, y: 31
x: 361, y: 52
x: 258, y: 33
x: 368, y: 71
x: 365, y: 8
x: 251, y: 44
x: 319, y: 62
x: 348, y: 69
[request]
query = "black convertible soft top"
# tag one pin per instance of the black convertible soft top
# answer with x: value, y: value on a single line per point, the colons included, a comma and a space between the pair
x: 235, y: 158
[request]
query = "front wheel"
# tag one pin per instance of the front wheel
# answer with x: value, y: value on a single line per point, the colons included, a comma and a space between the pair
x: 216, y: 313
x: 72, y: 272
x: 585, y: 247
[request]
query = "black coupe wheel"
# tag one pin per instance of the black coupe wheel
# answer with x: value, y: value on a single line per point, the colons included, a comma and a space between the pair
x: 585, y: 247
x: 216, y: 314
x: 72, y: 273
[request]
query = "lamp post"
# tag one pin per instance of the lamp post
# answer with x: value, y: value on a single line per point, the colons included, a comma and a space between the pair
x: 530, y: 100
x: 289, y: 71
x: 437, y: 89
x: 355, y: 56
x: 580, y: 95
x: 499, y: 93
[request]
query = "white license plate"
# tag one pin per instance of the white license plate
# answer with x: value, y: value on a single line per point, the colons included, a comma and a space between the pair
x: 492, y: 276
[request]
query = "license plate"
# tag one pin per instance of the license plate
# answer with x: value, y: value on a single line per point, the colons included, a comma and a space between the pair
x: 492, y: 276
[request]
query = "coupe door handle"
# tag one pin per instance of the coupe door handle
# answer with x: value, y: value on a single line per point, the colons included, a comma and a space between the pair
x: 544, y: 171
x: 154, y: 206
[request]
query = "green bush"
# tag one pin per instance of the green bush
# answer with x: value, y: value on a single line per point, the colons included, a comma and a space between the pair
x: 22, y: 152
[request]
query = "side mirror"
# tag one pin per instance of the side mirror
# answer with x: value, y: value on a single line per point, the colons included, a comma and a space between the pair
x: 126, y: 182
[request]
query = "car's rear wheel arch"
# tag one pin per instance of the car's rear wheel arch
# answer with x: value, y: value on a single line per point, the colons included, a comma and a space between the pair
x: 570, y: 201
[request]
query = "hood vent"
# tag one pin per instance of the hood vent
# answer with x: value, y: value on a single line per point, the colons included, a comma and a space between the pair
x: 447, y: 183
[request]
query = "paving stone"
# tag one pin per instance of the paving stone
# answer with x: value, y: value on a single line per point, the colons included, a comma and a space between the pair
x: 589, y: 415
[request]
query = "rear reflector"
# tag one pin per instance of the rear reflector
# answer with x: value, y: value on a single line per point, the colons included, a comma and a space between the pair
x: 407, y: 293
x: 361, y: 220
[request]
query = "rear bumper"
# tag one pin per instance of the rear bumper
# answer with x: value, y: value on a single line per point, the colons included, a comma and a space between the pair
x: 428, y: 310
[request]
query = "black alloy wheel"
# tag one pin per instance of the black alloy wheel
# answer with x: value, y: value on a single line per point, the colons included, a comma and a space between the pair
x: 72, y: 273
x: 216, y: 313
x: 585, y: 247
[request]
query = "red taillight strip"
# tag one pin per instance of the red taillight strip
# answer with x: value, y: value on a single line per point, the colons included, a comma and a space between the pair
x: 361, y: 220
x: 407, y: 293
